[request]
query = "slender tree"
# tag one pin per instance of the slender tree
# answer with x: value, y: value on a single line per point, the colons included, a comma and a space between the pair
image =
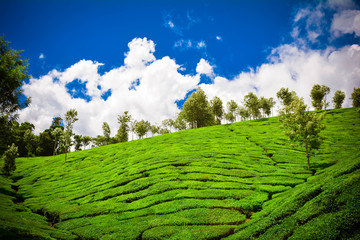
x: 107, y: 132
x: 123, y: 132
x: 78, y: 142
x: 168, y: 123
x: 338, y: 99
x: 9, y: 159
x: 65, y: 139
x: 318, y: 95
x: 29, y: 139
x: 217, y: 109
x: 231, y: 109
x: 252, y: 104
x: 302, y: 126
x: 86, y: 141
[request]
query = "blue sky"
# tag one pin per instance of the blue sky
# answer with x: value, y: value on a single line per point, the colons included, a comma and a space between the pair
x: 227, y: 47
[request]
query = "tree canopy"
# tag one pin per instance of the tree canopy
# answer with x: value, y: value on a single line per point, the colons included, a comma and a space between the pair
x: 13, y: 71
x: 302, y: 126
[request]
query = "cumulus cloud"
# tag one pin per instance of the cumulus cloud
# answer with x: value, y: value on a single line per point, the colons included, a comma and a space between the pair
x: 204, y: 67
x: 347, y: 21
x: 297, y: 70
x: 159, y: 85
x: 41, y: 56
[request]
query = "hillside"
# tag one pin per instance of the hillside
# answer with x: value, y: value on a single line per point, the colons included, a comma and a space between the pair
x: 237, y: 181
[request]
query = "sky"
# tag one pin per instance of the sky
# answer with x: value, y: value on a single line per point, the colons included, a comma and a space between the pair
x: 146, y: 57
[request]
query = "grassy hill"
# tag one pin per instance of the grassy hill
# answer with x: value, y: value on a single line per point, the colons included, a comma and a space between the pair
x: 238, y: 181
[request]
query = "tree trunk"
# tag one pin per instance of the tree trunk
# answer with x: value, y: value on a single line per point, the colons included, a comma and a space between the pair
x: 65, y: 156
x: 307, y: 154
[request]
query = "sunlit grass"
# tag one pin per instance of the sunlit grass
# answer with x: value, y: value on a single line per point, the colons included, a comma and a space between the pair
x: 240, y: 181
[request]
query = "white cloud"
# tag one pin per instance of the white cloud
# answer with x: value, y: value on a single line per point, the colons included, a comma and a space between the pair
x: 203, y: 67
x: 347, y: 21
x: 314, y: 21
x: 160, y: 85
x: 296, y: 69
x: 201, y: 44
x: 171, y: 24
x: 42, y: 56
x: 218, y: 38
x: 188, y: 44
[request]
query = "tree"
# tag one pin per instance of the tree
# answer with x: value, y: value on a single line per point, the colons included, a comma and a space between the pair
x: 46, y: 143
x: 243, y: 113
x: 78, y: 142
x: 252, y: 104
x: 217, y: 109
x: 197, y: 110
x: 180, y: 123
x: 231, y: 107
x: 9, y: 159
x: 163, y: 131
x: 141, y: 128
x: 56, y: 134
x: 86, y: 140
x: 168, y: 123
x: 13, y: 71
x: 355, y: 96
x: 107, y: 132
x: 285, y: 96
x: 154, y: 129
x: 338, y: 99
x: 302, y: 126
x: 318, y: 95
x: 70, y: 119
x: 123, y: 132
x: 29, y: 139
x: 265, y: 106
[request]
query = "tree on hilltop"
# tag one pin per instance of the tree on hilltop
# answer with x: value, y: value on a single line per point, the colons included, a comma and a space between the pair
x: 106, y: 132
x: 318, y: 95
x: 302, y: 126
x: 123, y: 132
x: 217, y: 109
x: 338, y: 99
x: 355, y: 96
x: 197, y: 110
x: 252, y: 103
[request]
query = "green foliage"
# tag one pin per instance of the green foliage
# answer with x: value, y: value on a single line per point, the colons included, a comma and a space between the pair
x: 355, y: 96
x: 9, y: 159
x: 318, y: 95
x: 141, y: 128
x: 180, y: 123
x: 123, y: 132
x: 197, y: 111
x: 29, y: 139
x: 302, y: 126
x: 78, y: 142
x: 86, y: 141
x: 266, y: 104
x: 106, y: 132
x: 338, y: 99
x: 285, y: 96
x: 252, y: 103
x: 217, y: 109
x: 13, y: 71
x: 154, y: 129
x: 168, y: 123
x: 243, y: 113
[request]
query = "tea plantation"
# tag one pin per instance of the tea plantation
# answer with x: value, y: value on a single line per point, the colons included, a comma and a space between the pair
x: 237, y: 181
